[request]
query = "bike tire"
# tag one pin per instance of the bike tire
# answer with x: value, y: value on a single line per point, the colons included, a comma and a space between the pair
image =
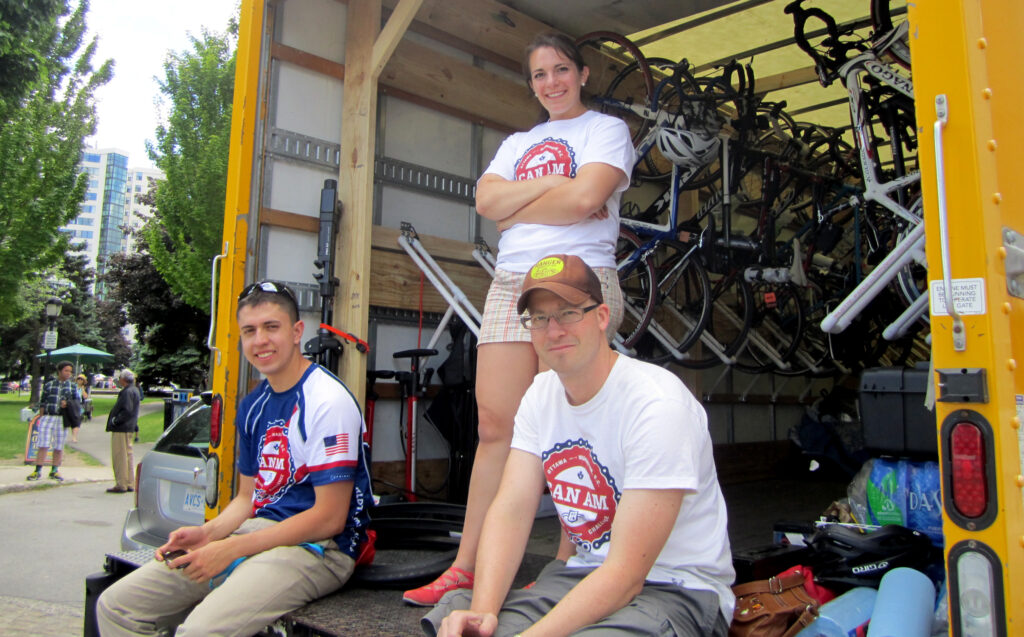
x: 814, y: 355
x: 406, y: 567
x: 637, y: 282
x: 607, y: 54
x: 681, y: 305
x: 684, y: 290
x: 729, y: 319
x: 883, y: 21
x: 777, y: 322
x: 652, y: 166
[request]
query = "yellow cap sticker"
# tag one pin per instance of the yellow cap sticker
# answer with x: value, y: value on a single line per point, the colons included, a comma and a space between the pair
x: 547, y: 267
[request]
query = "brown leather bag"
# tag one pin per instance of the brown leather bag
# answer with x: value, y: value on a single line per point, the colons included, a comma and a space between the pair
x: 775, y: 607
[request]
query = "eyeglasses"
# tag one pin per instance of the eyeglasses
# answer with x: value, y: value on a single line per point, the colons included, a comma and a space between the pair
x: 272, y: 287
x: 563, y: 317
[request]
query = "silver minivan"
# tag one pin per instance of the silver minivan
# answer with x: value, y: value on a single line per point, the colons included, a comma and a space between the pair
x: 170, y: 481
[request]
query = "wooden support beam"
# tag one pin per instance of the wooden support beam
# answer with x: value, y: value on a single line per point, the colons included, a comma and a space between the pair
x: 306, y: 60
x: 424, y: 71
x: 786, y: 79
x: 396, y: 278
x: 392, y: 32
x: 488, y: 24
x: 355, y: 178
x: 291, y: 220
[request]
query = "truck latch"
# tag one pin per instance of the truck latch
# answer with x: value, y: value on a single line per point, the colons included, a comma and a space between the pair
x: 1013, y: 244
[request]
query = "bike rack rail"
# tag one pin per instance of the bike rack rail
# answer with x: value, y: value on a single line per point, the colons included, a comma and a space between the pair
x: 458, y: 303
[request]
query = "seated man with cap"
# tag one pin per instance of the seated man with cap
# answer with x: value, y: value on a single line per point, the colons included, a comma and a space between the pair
x: 624, y: 449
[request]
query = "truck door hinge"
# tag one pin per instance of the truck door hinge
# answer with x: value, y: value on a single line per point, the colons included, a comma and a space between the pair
x: 1013, y: 244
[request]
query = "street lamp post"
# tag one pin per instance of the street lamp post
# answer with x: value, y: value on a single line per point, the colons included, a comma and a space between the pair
x: 53, y: 308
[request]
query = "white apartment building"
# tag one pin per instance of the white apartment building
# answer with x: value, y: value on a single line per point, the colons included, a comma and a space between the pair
x: 136, y: 212
x: 110, y: 209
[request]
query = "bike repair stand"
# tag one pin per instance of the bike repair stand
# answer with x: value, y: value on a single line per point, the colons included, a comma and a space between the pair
x: 325, y: 348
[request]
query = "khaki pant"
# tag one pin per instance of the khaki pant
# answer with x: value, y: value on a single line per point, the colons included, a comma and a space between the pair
x: 260, y: 590
x: 659, y: 610
x: 122, y: 459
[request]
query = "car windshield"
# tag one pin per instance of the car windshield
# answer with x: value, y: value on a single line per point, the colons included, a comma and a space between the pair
x: 190, y: 433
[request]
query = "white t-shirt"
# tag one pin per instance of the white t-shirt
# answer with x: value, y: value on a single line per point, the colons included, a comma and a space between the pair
x: 561, y: 148
x: 643, y: 430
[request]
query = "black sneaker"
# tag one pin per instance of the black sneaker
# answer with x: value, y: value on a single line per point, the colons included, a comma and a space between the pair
x: 56, y: 476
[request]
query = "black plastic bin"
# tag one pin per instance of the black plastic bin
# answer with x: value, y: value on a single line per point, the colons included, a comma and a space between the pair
x: 896, y: 422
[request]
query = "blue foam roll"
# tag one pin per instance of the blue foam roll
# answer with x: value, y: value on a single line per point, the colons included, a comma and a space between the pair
x: 904, y: 606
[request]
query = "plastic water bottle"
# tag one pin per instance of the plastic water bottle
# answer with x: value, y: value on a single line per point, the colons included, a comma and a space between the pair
x: 843, y: 615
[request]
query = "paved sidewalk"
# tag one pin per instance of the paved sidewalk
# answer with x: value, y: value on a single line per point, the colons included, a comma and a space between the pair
x: 25, y: 617
x: 92, y: 441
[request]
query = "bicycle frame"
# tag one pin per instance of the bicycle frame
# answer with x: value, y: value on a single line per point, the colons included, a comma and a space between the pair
x: 875, y: 189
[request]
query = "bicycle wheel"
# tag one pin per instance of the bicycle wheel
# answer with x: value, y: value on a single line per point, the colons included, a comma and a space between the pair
x: 912, y: 280
x: 636, y: 279
x: 682, y: 305
x: 608, y: 54
x: 775, y: 331
x: 652, y: 166
x: 728, y: 321
x: 813, y: 357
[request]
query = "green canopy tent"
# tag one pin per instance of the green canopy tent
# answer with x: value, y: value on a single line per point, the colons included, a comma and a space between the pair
x: 80, y: 354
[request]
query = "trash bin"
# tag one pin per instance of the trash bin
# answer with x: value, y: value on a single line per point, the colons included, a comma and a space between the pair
x: 176, y: 405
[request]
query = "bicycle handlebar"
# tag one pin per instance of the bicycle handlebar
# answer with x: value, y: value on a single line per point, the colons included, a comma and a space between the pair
x: 836, y: 50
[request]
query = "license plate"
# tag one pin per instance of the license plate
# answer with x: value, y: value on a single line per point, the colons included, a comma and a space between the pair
x: 195, y: 501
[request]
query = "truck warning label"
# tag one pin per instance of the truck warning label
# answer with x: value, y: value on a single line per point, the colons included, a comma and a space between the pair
x: 968, y: 295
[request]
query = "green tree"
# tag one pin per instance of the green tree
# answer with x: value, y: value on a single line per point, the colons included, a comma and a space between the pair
x: 192, y: 151
x: 22, y: 25
x: 41, y: 142
x: 80, y: 321
x: 171, y: 335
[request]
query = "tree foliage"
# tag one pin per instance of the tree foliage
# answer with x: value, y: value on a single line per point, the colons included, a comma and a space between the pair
x: 171, y: 336
x: 41, y: 139
x: 22, y: 24
x: 80, y: 321
x: 192, y: 151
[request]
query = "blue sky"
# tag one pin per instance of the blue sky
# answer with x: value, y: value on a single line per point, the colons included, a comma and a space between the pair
x: 137, y: 34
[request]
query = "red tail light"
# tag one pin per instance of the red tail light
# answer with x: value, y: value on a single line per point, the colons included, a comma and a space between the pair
x: 970, y: 491
x: 216, y: 413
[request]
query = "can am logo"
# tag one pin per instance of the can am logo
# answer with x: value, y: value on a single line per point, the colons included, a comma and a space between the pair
x: 870, y: 568
x: 583, y: 491
x: 276, y: 470
x: 549, y: 157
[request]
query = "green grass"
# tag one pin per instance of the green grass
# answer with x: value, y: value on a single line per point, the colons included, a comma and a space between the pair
x: 13, y: 430
x: 151, y: 426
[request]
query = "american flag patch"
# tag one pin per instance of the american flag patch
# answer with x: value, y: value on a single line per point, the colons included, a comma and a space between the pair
x: 334, y: 445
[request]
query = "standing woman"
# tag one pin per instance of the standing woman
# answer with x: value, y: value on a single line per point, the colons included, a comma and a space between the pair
x: 553, y: 189
x: 85, y: 407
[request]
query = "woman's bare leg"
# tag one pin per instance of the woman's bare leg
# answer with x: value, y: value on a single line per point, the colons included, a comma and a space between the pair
x: 503, y: 373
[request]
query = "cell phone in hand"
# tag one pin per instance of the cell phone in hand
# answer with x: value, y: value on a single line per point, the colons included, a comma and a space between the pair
x: 170, y: 556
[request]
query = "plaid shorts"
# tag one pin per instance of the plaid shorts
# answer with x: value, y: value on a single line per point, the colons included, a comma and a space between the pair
x: 501, y: 321
x: 52, y: 433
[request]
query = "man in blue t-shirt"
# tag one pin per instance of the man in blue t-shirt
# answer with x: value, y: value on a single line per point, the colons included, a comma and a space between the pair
x: 298, y: 523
